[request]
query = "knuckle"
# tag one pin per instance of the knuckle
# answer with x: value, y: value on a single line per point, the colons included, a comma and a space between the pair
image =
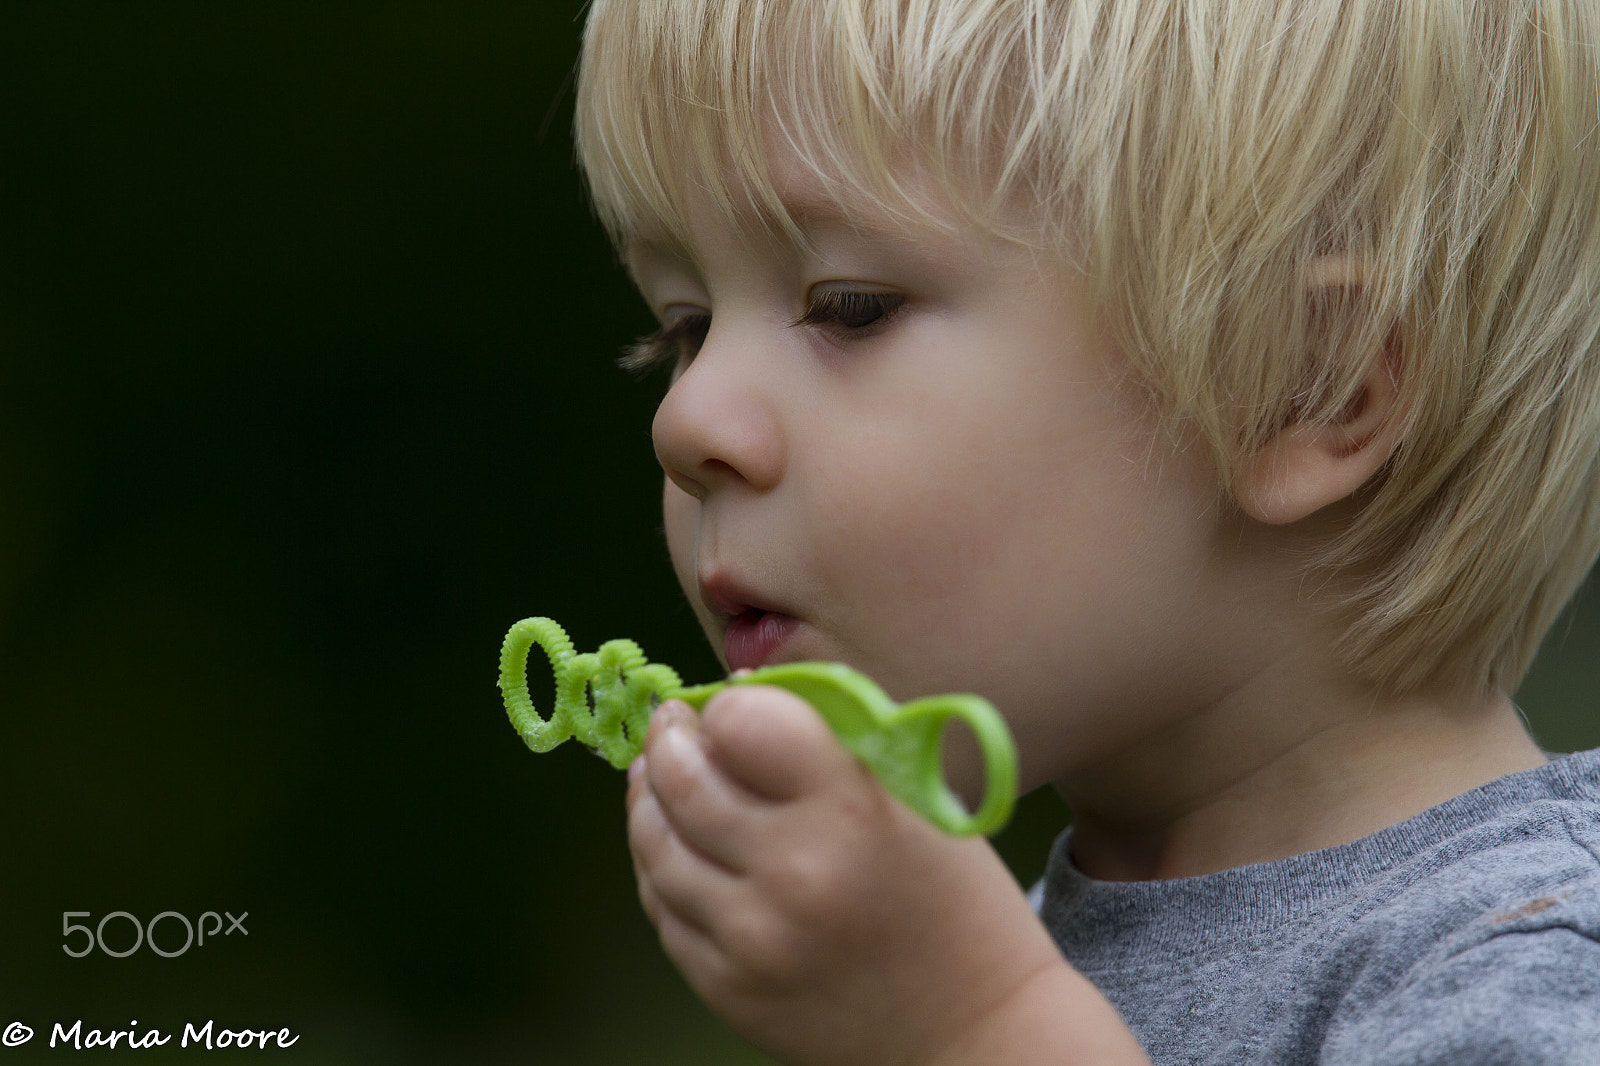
x: 762, y: 947
x: 812, y: 886
x: 723, y: 982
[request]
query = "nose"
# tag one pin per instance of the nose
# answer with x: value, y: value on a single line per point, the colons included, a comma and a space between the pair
x: 719, y: 423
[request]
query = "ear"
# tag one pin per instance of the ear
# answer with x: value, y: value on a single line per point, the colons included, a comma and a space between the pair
x: 1309, y: 465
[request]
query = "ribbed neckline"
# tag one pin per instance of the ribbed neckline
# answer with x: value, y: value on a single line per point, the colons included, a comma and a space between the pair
x: 1121, y: 916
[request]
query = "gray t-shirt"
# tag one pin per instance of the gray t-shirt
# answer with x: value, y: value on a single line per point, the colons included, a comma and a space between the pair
x: 1466, y: 936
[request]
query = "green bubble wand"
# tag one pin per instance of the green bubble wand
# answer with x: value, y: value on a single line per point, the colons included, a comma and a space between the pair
x: 899, y: 743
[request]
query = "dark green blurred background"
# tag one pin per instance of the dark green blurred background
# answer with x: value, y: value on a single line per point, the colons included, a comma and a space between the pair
x: 306, y: 393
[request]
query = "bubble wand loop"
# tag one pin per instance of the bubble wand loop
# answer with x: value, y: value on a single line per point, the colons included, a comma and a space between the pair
x: 898, y: 742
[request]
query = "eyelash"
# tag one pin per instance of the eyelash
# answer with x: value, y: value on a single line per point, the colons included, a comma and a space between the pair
x: 848, y: 313
x: 670, y: 346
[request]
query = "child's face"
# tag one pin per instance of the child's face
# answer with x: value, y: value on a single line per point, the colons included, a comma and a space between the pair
x: 939, y: 482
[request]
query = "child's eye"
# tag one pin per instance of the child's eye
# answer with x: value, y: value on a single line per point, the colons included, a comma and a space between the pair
x: 851, y: 310
x: 672, y: 346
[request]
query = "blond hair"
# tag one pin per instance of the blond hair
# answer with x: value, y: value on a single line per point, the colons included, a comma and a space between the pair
x: 1205, y: 160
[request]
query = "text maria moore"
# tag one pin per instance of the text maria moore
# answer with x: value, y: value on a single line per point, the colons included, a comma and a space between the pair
x: 206, y: 1036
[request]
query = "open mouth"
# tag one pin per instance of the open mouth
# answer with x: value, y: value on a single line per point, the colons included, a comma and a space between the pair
x: 754, y: 636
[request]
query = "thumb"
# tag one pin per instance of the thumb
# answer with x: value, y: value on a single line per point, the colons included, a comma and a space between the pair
x: 773, y: 743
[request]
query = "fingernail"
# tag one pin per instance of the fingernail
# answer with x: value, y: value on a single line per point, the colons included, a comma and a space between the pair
x: 636, y: 768
x: 675, y: 712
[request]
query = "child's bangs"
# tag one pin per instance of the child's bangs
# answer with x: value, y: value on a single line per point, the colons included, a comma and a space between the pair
x: 695, y: 98
x: 652, y: 126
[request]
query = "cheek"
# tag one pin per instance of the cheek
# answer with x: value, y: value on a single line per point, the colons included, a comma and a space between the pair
x: 1009, y: 537
x: 911, y: 537
x: 927, y: 508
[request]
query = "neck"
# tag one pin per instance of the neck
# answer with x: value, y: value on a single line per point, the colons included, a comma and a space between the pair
x: 1282, y: 767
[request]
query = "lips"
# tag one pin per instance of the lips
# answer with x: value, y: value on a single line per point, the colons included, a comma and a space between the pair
x: 755, y: 631
x: 754, y: 636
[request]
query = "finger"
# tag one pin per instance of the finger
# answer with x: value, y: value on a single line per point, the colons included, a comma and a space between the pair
x: 648, y: 842
x: 709, y: 812
x: 671, y: 874
x: 636, y: 779
x: 647, y: 895
x: 694, y: 952
x: 638, y: 792
x: 773, y: 743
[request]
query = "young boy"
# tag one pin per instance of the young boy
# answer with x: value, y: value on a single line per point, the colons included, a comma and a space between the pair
x: 1214, y: 386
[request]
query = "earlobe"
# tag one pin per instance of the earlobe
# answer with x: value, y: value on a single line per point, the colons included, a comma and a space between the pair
x: 1309, y: 465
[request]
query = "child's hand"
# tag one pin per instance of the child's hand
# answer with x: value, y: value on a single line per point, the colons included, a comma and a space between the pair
x: 811, y: 910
